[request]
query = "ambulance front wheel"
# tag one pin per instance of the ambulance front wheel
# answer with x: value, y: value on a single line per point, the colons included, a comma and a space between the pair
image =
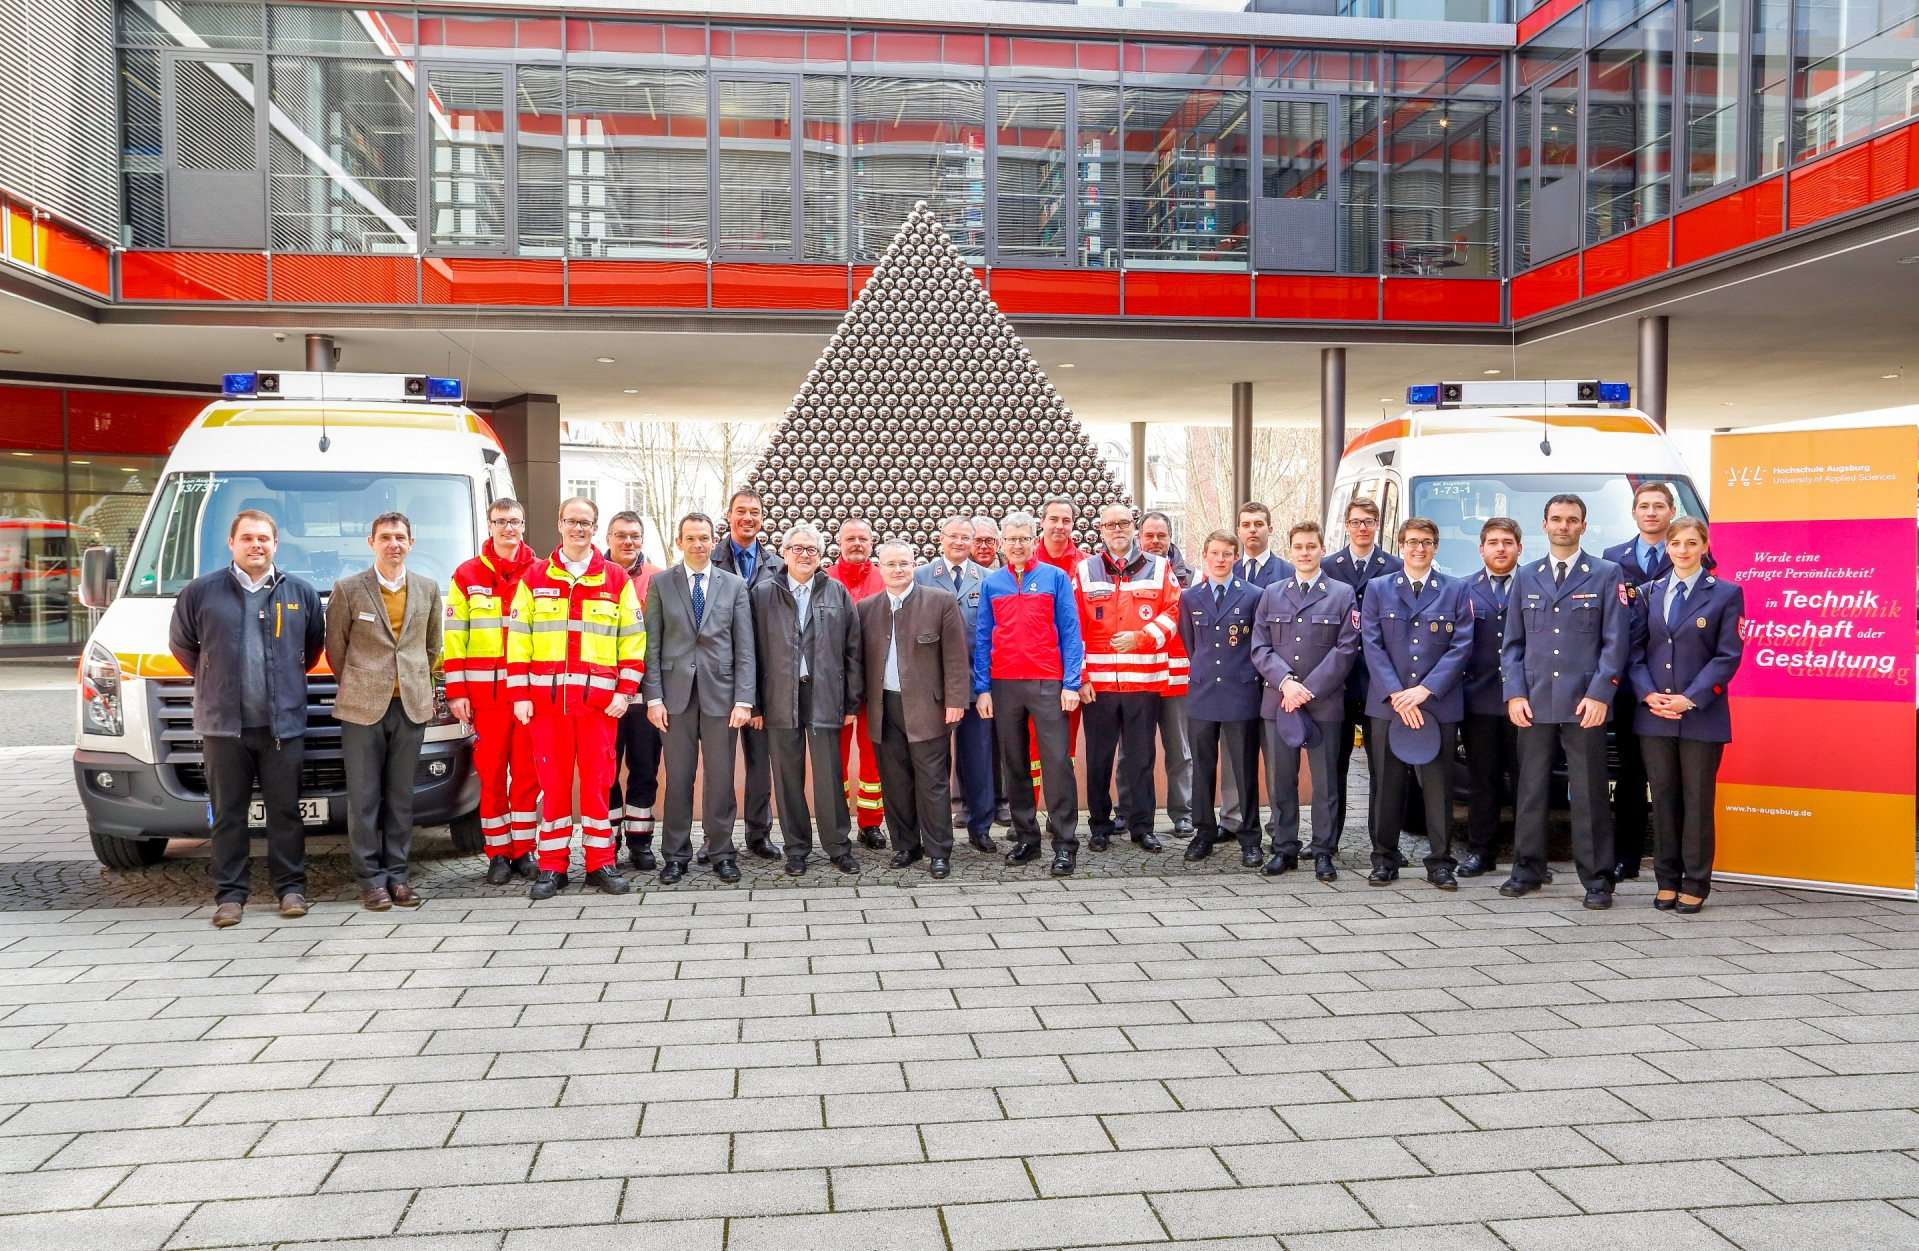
x: 467, y: 837
x: 126, y: 853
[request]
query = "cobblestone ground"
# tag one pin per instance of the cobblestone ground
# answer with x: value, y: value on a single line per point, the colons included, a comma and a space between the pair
x: 1144, y: 1055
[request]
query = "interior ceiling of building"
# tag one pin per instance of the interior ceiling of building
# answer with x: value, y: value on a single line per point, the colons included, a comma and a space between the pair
x: 1804, y: 338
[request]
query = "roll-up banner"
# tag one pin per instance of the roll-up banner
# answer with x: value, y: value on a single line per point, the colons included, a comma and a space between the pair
x: 1819, y: 528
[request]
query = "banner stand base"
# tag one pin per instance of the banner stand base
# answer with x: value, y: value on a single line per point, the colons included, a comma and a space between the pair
x: 1831, y: 888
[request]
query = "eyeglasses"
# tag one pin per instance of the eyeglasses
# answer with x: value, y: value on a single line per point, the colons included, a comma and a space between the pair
x: 1116, y: 525
x: 1419, y: 543
x: 506, y: 523
x: 574, y: 523
x: 1362, y: 523
x: 801, y: 551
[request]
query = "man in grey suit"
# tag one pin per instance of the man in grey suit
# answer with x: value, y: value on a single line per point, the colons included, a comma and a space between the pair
x: 955, y: 570
x: 383, y: 641
x: 739, y: 549
x: 699, y: 685
x: 918, y: 685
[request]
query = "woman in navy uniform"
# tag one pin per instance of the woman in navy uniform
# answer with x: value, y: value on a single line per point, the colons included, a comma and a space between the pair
x: 1416, y: 629
x: 1687, y: 651
x: 1216, y: 619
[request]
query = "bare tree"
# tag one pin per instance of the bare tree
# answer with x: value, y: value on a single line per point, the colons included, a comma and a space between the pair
x: 1285, y: 477
x: 679, y: 467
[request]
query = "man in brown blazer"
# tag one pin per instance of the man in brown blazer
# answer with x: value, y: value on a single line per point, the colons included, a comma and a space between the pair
x: 383, y: 642
x: 917, y: 688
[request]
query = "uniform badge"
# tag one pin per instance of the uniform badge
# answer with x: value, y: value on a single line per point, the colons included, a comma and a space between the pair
x: 1232, y: 636
x: 450, y: 612
x: 1355, y: 618
x: 1625, y: 598
x: 1701, y: 623
x: 1449, y: 627
x: 1145, y: 612
x: 1433, y: 628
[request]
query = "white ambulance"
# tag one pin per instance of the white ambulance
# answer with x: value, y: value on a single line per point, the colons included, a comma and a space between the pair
x: 1465, y: 452
x: 323, y: 453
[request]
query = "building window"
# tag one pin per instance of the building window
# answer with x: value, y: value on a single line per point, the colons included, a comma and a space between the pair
x: 1853, y: 72
x: 917, y: 140
x: 1442, y: 188
x: 584, y: 488
x: 636, y: 163
x: 1713, y: 54
x: 1629, y: 128
x: 1056, y: 175
x: 1186, y: 177
x: 344, y: 151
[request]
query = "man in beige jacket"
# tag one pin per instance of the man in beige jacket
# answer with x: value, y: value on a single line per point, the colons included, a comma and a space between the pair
x: 383, y: 642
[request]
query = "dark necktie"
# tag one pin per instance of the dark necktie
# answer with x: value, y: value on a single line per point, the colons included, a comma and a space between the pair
x: 1419, y: 588
x: 1500, y: 589
x: 699, y: 600
x: 1305, y: 589
x: 1559, y: 573
x: 1251, y: 569
x: 1219, y: 595
x: 1676, y: 606
x: 956, y: 579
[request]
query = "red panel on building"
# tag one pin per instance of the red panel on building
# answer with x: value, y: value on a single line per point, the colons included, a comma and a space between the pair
x: 331, y: 279
x: 779, y: 286
x: 1443, y: 300
x: 193, y: 276
x: 68, y: 254
x: 1298, y: 297
x: 636, y: 284
x: 1731, y: 221
x: 1548, y: 287
x: 476, y: 280
x: 1165, y: 293
x: 1895, y: 163
x: 1543, y: 16
x: 1628, y: 258
x: 133, y: 425
x: 30, y: 418
x: 1065, y: 292
x: 1863, y: 174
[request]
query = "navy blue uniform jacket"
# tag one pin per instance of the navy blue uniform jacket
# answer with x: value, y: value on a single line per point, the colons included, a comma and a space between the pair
x: 1567, y: 643
x: 1314, y: 638
x: 1224, y: 685
x: 1485, y: 693
x: 1696, y: 658
x: 1343, y: 566
x: 1423, y: 642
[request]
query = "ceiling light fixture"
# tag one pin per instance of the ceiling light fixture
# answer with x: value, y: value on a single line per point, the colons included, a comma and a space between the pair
x: 631, y: 391
x: 1909, y: 260
x: 1889, y: 377
x: 1066, y: 365
x: 604, y: 360
x: 1491, y: 373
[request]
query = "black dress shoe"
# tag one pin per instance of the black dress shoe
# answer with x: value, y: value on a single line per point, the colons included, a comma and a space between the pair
x: 1666, y: 905
x: 872, y: 836
x: 671, y: 872
x: 702, y: 858
x: 1323, y: 869
x: 608, y: 881
x: 1148, y: 842
x: 1199, y: 848
x: 1442, y: 878
x: 726, y: 871
x: 1382, y: 875
x: 1284, y: 862
x: 1100, y: 842
x: 1599, y: 898
x: 1688, y: 909
x: 903, y: 858
x: 546, y: 885
x: 795, y: 866
x: 982, y: 842
x: 938, y: 867
x: 526, y: 865
x: 1623, y: 872
x: 1183, y: 828
x: 1513, y: 888
x: 846, y: 862
x: 643, y: 858
x: 1249, y: 858
x: 499, y: 871
x: 1402, y: 862
x: 1002, y: 815
x: 763, y: 848
x: 1063, y: 864
x: 1475, y: 865
x: 1023, y: 853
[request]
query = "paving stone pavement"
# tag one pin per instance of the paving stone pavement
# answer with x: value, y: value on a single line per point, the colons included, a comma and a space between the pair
x: 1125, y: 1059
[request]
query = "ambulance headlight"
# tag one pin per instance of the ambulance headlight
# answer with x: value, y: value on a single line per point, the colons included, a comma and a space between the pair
x: 100, y: 709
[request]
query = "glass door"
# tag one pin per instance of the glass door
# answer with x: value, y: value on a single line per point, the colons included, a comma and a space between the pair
x: 215, y: 134
x: 756, y: 167
x: 1294, y: 224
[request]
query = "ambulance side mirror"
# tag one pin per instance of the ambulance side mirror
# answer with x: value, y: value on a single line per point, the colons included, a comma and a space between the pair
x: 99, y: 571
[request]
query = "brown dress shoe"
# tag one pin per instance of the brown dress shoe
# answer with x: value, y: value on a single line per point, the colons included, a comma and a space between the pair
x: 406, y: 896
x: 375, y: 899
x: 293, y: 904
x: 226, y: 914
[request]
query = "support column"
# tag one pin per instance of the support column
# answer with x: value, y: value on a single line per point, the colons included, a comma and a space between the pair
x: 1139, y: 466
x: 1332, y: 418
x: 322, y: 355
x: 1242, y: 444
x: 529, y: 429
x: 1651, y: 391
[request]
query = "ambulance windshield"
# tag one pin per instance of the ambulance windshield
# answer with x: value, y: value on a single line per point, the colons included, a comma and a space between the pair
x: 1460, y: 505
x: 322, y: 520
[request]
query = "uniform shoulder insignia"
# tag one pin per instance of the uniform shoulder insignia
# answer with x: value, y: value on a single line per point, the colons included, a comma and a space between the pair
x: 1584, y: 567
x: 1354, y: 615
x: 1625, y: 597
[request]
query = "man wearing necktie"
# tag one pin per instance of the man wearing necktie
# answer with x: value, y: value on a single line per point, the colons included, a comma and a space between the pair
x: 743, y: 551
x: 855, y: 571
x: 1216, y: 619
x: 1491, y: 738
x: 700, y: 684
x: 1357, y: 564
x: 1566, y: 645
x: 975, y: 768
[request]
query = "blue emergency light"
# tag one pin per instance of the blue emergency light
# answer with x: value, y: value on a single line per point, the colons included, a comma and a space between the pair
x: 237, y: 386
x: 444, y: 391
x: 1423, y: 395
x: 1615, y: 393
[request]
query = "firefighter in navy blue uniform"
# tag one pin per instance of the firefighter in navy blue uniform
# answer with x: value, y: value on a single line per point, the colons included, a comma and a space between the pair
x: 1216, y: 619
x: 1489, y: 735
x: 1258, y: 566
x: 1357, y: 564
x: 1416, y: 631
x: 1644, y: 561
x: 1689, y: 650
x: 1566, y: 646
x: 1305, y: 642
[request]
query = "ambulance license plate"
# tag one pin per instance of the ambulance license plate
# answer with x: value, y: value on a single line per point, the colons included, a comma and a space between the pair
x: 312, y: 812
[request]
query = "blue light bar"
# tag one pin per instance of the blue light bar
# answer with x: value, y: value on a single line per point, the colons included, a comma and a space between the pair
x: 1422, y: 395
x: 1615, y: 393
x: 237, y: 386
x: 444, y: 390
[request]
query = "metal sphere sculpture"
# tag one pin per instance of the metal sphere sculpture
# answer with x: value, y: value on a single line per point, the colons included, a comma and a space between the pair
x: 926, y: 403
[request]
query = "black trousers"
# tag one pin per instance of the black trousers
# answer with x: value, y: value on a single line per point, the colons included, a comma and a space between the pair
x: 792, y: 751
x: 756, y: 759
x: 1685, y: 782
x: 692, y: 740
x: 234, y: 766
x: 1492, y: 757
x: 1631, y: 812
x: 1224, y: 752
x: 1121, y: 722
x: 913, y: 788
x: 1015, y: 700
x: 638, y: 747
x: 1591, y: 815
x: 1282, y: 787
x: 1355, y: 719
x: 1435, y: 791
x: 381, y: 760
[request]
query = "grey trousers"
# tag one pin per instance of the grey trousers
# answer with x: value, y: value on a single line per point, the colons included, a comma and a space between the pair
x: 692, y: 740
x: 380, y: 762
x: 1282, y: 786
x: 791, y: 752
